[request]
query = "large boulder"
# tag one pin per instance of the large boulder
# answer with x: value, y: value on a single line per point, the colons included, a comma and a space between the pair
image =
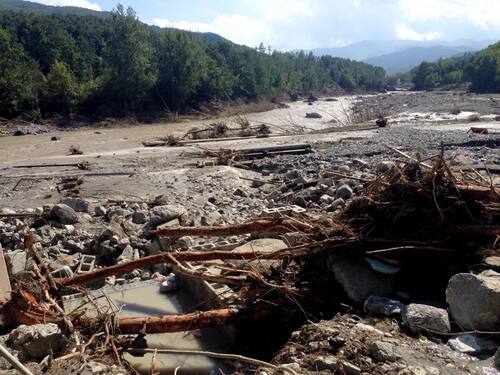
x: 38, y: 340
x: 63, y: 214
x: 359, y: 280
x: 77, y: 204
x: 474, y: 300
x: 163, y: 214
x: 419, y: 317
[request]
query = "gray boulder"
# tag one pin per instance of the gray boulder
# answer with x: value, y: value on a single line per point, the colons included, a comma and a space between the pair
x: 38, y: 340
x: 163, y: 214
x: 419, y: 318
x: 384, y: 352
x: 358, y: 279
x: 471, y: 344
x: 474, y: 300
x: 100, y: 211
x: 382, y: 306
x: 139, y: 217
x: 63, y: 214
x: 77, y: 204
x: 16, y: 261
x: 344, y: 192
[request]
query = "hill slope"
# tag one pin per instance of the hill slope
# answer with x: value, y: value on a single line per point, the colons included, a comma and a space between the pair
x: 28, y: 6
x: 481, y: 71
x: 403, y: 61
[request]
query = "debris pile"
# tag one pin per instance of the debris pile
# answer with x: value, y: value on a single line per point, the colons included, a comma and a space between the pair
x: 409, y: 220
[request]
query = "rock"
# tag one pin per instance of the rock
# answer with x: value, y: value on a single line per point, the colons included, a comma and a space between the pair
x: 358, y: 279
x: 419, y: 317
x: 344, y: 168
x: 344, y: 192
x: 163, y: 214
x: 332, y: 364
x: 7, y: 211
x: 100, y: 211
x: 20, y: 132
x: 474, y: 300
x: 325, y: 198
x: 384, y: 166
x: 37, y: 340
x: 77, y: 204
x: 128, y: 254
x: 169, y: 284
x: 382, y: 306
x: 16, y: 261
x: 139, y: 217
x: 240, y: 193
x: 64, y: 214
x: 336, y: 204
x: 313, y: 115
x: 474, y: 345
x: 384, y: 351
x: 117, y: 211
x: 211, y: 218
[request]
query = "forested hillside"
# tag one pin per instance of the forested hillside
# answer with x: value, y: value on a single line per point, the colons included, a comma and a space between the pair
x: 481, y: 71
x: 117, y: 65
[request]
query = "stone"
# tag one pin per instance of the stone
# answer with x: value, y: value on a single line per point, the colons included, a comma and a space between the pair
x: 418, y: 317
x: 382, y: 306
x: 240, y: 193
x: 128, y: 254
x: 384, y: 166
x: 16, y: 261
x: 325, y: 198
x: 100, y: 211
x: 211, y: 218
x: 384, y: 352
x: 139, y: 217
x: 169, y: 284
x: 474, y: 345
x: 77, y: 204
x: 336, y: 204
x: 63, y: 214
x: 7, y: 211
x: 38, y: 340
x: 117, y: 211
x: 358, y: 279
x: 474, y: 300
x: 313, y: 115
x: 344, y: 192
x: 163, y: 214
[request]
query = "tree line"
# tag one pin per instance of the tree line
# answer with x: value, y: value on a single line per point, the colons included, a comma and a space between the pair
x: 68, y: 64
x: 479, y: 71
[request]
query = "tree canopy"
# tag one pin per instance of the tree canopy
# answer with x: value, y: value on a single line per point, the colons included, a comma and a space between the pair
x: 480, y: 71
x: 116, y: 65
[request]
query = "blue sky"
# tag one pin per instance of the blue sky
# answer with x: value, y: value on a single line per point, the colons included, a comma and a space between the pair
x: 296, y: 24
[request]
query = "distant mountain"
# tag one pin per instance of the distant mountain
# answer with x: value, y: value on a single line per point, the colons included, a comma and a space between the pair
x: 368, y: 49
x: 30, y: 7
x: 405, y: 60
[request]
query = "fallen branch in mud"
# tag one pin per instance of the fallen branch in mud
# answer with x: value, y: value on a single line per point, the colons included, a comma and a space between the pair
x: 258, y: 226
x: 188, y: 322
x: 200, y: 256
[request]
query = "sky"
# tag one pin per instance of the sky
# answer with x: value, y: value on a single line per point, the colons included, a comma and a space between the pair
x: 307, y: 24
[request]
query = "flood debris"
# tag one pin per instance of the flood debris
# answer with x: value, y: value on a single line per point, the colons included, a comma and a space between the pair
x: 396, y: 247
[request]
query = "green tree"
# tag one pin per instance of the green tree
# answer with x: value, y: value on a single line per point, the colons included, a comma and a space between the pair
x: 62, y: 92
x: 128, y: 56
x: 183, y: 68
x: 19, y: 78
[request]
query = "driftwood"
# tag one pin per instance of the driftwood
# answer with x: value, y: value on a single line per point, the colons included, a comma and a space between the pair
x: 257, y: 226
x: 200, y: 256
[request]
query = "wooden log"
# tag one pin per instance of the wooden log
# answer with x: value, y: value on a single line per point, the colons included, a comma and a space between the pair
x: 480, y: 193
x: 256, y: 226
x: 201, y: 256
x: 186, y: 322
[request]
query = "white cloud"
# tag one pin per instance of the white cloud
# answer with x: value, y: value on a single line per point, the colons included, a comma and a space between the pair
x: 406, y: 33
x: 73, y: 3
x: 283, y: 10
x: 484, y: 13
x: 237, y: 28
